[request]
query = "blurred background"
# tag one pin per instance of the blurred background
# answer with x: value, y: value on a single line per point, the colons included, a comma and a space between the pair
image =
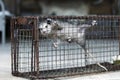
x: 56, y: 7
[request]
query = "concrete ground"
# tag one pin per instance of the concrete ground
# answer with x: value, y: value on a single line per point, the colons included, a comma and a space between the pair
x: 5, y: 69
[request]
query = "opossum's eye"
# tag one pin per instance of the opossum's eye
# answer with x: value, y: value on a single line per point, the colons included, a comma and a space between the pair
x: 46, y: 26
x: 49, y: 21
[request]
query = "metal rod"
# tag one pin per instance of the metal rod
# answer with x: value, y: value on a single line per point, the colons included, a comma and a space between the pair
x: 12, y: 44
x: 36, y: 46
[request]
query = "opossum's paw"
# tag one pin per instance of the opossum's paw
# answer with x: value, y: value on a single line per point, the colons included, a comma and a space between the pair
x: 55, y: 45
x: 69, y: 40
x: 94, y: 22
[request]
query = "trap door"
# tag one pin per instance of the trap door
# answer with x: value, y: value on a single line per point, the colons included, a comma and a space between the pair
x: 22, y: 41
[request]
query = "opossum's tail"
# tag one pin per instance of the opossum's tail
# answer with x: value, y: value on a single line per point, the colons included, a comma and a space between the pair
x: 87, y: 52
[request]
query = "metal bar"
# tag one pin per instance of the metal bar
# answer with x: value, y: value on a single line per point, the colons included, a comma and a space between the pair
x: 32, y: 52
x: 15, y: 53
x: 73, y: 17
x: 119, y: 34
x: 12, y: 45
x: 36, y: 46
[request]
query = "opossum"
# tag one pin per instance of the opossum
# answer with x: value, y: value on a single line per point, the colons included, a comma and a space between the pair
x: 65, y: 31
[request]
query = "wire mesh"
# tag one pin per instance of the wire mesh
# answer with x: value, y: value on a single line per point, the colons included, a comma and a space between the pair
x: 49, y: 47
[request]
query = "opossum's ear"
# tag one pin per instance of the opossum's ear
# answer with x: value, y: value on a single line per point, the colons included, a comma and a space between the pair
x: 57, y: 27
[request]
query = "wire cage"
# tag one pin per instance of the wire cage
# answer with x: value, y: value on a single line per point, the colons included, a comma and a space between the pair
x: 80, y: 45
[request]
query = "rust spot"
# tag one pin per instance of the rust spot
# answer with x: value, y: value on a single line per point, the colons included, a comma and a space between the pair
x: 22, y: 20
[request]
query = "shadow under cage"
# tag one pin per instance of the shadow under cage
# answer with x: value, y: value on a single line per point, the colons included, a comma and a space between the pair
x: 50, y: 47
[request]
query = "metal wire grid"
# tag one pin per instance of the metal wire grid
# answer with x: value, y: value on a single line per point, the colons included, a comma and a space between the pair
x: 102, y: 41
